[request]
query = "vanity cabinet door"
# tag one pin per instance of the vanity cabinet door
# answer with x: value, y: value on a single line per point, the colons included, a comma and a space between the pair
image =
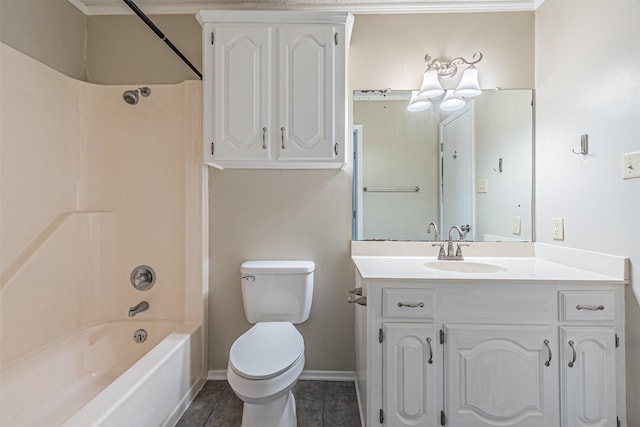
x: 498, y: 375
x: 410, y: 366
x: 588, y: 376
x: 241, y: 97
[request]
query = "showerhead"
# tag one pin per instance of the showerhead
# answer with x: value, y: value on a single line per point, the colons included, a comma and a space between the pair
x: 132, y: 97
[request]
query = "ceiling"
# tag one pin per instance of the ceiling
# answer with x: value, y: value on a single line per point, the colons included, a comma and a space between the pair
x: 117, y: 7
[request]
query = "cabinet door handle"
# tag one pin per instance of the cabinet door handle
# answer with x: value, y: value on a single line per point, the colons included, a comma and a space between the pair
x: 430, y: 361
x: 282, y: 131
x: 548, y: 361
x: 573, y: 349
x: 264, y: 138
x: 411, y: 305
x: 590, y: 307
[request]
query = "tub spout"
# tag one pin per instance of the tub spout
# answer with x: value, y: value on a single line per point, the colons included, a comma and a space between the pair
x: 139, y: 308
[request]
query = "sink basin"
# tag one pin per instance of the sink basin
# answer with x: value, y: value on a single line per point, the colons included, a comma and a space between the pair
x: 464, y: 266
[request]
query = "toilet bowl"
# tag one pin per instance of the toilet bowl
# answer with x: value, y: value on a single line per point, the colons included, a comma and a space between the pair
x: 264, y: 365
x: 266, y: 361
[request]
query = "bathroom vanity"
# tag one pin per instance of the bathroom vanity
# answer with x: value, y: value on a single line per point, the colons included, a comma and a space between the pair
x: 517, y: 334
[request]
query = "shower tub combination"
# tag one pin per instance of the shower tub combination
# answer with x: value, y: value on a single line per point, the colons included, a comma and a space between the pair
x: 100, y: 376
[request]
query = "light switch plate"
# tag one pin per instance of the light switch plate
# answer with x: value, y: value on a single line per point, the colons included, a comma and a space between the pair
x: 516, y: 225
x: 558, y: 229
x: 631, y: 165
x: 482, y: 186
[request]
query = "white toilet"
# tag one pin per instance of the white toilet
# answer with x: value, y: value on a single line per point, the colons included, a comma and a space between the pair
x: 266, y: 361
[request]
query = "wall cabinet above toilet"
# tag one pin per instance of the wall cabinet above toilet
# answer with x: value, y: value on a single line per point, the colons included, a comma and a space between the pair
x: 275, y: 91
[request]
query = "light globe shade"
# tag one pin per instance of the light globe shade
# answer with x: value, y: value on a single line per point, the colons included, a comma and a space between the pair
x: 452, y: 102
x: 416, y: 103
x: 469, y: 85
x: 431, y: 86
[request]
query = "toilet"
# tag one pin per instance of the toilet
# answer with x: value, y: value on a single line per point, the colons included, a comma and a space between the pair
x: 266, y: 361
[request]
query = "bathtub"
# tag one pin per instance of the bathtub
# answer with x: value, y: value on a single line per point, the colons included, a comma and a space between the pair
x: 100, y: 376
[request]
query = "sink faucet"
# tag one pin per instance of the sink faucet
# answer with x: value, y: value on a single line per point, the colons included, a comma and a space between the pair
x: 450, y: 255
x: 139, y: 308
x: 432, y: 225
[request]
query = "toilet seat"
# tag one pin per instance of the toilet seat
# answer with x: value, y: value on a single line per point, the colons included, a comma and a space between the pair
x: 266, y: 350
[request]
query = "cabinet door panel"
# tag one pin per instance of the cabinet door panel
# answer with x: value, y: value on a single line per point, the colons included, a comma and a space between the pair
x: 242, y: 93
x: 409, y: 379
x: 496, y: 375
x: 588, y: 386
x: 306, y: 94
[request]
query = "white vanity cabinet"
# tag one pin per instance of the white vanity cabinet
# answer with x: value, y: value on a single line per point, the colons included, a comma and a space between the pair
x: 463, y: 353
x: 275, y: 89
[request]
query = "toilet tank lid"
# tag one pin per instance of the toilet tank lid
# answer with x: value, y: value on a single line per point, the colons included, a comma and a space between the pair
x: 277, y: 267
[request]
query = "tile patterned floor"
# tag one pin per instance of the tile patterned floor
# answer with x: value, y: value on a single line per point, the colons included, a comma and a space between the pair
x: 318, y: 404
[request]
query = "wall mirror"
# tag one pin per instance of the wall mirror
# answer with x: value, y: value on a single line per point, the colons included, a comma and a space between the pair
x: 472, y: 168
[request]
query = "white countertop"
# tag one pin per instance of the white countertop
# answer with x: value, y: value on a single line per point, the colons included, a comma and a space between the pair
x: 516, y: 269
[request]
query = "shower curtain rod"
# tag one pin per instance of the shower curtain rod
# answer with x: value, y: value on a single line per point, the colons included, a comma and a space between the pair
x: 159, y: 33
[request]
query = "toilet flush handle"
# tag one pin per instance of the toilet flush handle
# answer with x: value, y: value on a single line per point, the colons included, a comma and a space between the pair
x: 249, y: 278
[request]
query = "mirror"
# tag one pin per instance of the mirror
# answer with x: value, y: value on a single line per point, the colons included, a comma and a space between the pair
x: 472, y: 168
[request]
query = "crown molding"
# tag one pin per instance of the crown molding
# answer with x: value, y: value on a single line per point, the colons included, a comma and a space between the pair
x: 151, y: 7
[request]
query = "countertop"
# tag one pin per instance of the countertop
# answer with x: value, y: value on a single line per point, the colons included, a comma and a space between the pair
x: 513, y: 269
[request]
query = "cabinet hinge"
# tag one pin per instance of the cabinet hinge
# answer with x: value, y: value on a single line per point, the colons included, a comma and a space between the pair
x: 213, y: 38
x: 617, y: 341
x: 380, y: 335
x: 443, y: 419
x: 213, y: 149
x: 442, y: 336
x: 381, y: 416
x: 335, y: 38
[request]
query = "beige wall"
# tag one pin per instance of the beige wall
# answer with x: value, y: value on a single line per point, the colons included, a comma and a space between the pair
x: 576, y: 96
x: 51, y: 31
x: 122, y: 49
x: 307, y: 214
x: 387, y: 51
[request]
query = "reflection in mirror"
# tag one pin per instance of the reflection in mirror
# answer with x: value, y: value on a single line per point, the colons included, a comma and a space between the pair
x: 472, y: 168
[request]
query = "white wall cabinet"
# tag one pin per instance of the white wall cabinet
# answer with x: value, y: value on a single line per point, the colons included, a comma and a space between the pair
x: 499, y: 354
x: 275, y: 89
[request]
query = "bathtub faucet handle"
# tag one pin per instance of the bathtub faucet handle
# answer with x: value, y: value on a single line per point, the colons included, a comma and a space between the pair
x: 143, y: 277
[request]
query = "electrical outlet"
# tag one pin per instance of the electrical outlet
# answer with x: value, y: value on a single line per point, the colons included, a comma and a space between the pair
x: 516, y: 225
x: 631, y: 165
x: 558, y: 229
x: 482, y: 186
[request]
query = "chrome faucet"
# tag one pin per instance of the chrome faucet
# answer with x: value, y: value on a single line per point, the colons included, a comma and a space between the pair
x: 139, y: 308
x: 432, y: 225
x: 450, y: 255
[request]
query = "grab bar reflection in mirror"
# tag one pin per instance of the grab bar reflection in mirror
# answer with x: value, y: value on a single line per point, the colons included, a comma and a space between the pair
x: 414, y: 189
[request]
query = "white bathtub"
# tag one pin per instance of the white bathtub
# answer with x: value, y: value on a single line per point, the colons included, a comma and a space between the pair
x: 101, y: 377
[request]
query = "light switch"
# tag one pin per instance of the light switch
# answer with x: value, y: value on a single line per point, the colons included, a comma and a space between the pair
x: 558, y: 229
x: 631, y: 165
x: 482, y: 186
x: 516, y: 225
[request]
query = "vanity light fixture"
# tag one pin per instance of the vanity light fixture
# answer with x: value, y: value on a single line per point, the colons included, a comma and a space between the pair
x: 438, y: 70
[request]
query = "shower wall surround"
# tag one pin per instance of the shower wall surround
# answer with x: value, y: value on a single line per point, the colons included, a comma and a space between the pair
x: 91, y: 188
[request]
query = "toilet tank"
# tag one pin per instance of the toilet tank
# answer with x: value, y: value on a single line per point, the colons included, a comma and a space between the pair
x: 277, y: 291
